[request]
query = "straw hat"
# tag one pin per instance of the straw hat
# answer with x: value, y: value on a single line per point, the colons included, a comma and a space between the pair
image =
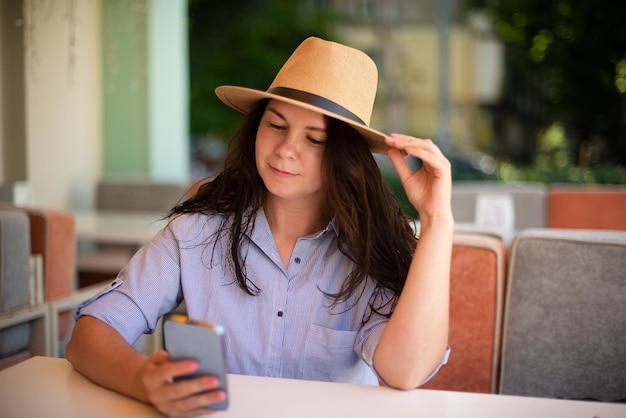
x: 324, y: 76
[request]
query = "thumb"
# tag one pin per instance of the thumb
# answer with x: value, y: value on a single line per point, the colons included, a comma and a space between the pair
x: 159, y: 357
x: 400, y: 164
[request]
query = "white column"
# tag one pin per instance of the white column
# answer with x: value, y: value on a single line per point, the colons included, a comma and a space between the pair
x: 168, y: 89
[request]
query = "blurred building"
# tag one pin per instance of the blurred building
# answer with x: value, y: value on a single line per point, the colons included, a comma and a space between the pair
x: 405, y: 39
x: 93, y: 90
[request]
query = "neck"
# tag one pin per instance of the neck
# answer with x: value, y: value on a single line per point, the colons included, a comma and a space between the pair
x: 294, y: 220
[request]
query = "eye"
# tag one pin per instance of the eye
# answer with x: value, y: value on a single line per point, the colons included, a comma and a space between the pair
x: 276, y: 126
x: 315, y: 141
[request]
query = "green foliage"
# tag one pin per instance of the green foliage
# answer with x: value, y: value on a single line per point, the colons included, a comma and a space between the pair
x: 597, y: 174
x: 566, y: 61
x: 554, y: 164
x: 393, y: 181
x: 241, y: 43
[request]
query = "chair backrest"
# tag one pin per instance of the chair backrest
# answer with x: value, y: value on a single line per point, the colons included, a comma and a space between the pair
x: 146, y: 196
x: 52, y: 236
x: 564, y: 332
x: 527, y: 202
x: 476, y: 304
x: 52, y: 240
x: 15, y: 289
x: 587, y: 207
x: 15, y: 284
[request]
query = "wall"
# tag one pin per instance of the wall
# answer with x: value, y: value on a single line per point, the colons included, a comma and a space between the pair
x: 124, y: 99
x: 63, y: 111
x: 12, y: 118
x: 92, y: 89
x: 144, y: 66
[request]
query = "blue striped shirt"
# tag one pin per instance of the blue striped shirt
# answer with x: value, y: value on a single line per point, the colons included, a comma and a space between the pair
x: 289, y: 330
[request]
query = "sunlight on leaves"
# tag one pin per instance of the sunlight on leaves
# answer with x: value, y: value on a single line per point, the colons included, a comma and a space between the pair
x: 620, y: 76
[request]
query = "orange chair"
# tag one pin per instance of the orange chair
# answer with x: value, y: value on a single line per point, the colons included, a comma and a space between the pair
x: 476, y: 305
x: 53, y: 235
x: 587, y: 207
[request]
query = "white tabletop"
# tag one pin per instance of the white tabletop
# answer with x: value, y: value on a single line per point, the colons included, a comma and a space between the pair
x: 118, y: 227
x: 49, y: 387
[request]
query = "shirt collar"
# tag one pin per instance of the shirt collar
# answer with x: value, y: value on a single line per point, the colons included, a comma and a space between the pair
x: 262, y: 232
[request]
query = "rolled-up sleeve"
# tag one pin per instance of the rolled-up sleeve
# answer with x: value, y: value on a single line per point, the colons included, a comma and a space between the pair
x: 118, y: 310
x: 148, y: 287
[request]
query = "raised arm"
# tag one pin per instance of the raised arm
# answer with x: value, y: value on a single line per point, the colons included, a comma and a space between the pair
x: 415, y: 339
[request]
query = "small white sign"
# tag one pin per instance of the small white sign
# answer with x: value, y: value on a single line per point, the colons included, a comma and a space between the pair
x: 495, y: 211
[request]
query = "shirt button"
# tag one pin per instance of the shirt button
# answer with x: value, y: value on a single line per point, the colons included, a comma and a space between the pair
x: 280, y: 313
x: 297, y: 260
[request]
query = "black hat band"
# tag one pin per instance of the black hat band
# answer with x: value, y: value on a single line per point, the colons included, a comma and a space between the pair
x: 317, y: 101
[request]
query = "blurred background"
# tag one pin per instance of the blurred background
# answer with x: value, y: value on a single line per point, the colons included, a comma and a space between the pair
x: 108, y: 118
x: 511, y: 90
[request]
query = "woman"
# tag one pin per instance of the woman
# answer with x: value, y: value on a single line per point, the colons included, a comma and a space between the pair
x: 297, y: 248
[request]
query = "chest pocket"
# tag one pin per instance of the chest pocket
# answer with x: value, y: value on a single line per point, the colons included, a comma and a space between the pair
x: 329, y: 355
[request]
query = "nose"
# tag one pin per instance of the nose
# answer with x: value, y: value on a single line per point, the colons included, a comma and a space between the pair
x: 288, y: 147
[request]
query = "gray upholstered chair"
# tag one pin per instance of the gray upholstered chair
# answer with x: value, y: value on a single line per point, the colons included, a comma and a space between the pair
x: 565, y: 315
x: 15, y: 291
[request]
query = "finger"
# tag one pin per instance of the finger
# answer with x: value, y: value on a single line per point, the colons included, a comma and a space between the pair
x: 405, y: 144
x: 408, y: 143
x: 426, y: 150
x: 161, y: 371
x: 400, y: 164
x: 200, y: 401
x: 189, y: 397
x: 193, y: 386
x: 432, y: 162
x: 159, y: 357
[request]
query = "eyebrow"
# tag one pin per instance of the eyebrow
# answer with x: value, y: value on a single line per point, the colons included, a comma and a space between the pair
x: 280, y: 115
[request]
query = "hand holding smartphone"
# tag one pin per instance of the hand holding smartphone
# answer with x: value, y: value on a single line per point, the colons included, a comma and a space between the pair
x: 200, y: 341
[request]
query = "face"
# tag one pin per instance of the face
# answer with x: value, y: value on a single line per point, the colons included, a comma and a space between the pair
x: 290, y: 145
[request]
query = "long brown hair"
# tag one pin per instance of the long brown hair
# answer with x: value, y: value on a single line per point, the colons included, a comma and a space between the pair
x: 373, y: 230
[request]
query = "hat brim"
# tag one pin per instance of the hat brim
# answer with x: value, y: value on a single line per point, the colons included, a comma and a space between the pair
x: 243, y: 99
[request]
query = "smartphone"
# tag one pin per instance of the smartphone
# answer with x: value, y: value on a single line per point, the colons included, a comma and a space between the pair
x: 200, y: 341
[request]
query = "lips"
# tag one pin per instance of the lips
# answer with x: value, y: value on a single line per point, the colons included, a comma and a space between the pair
x: 281, y: 173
